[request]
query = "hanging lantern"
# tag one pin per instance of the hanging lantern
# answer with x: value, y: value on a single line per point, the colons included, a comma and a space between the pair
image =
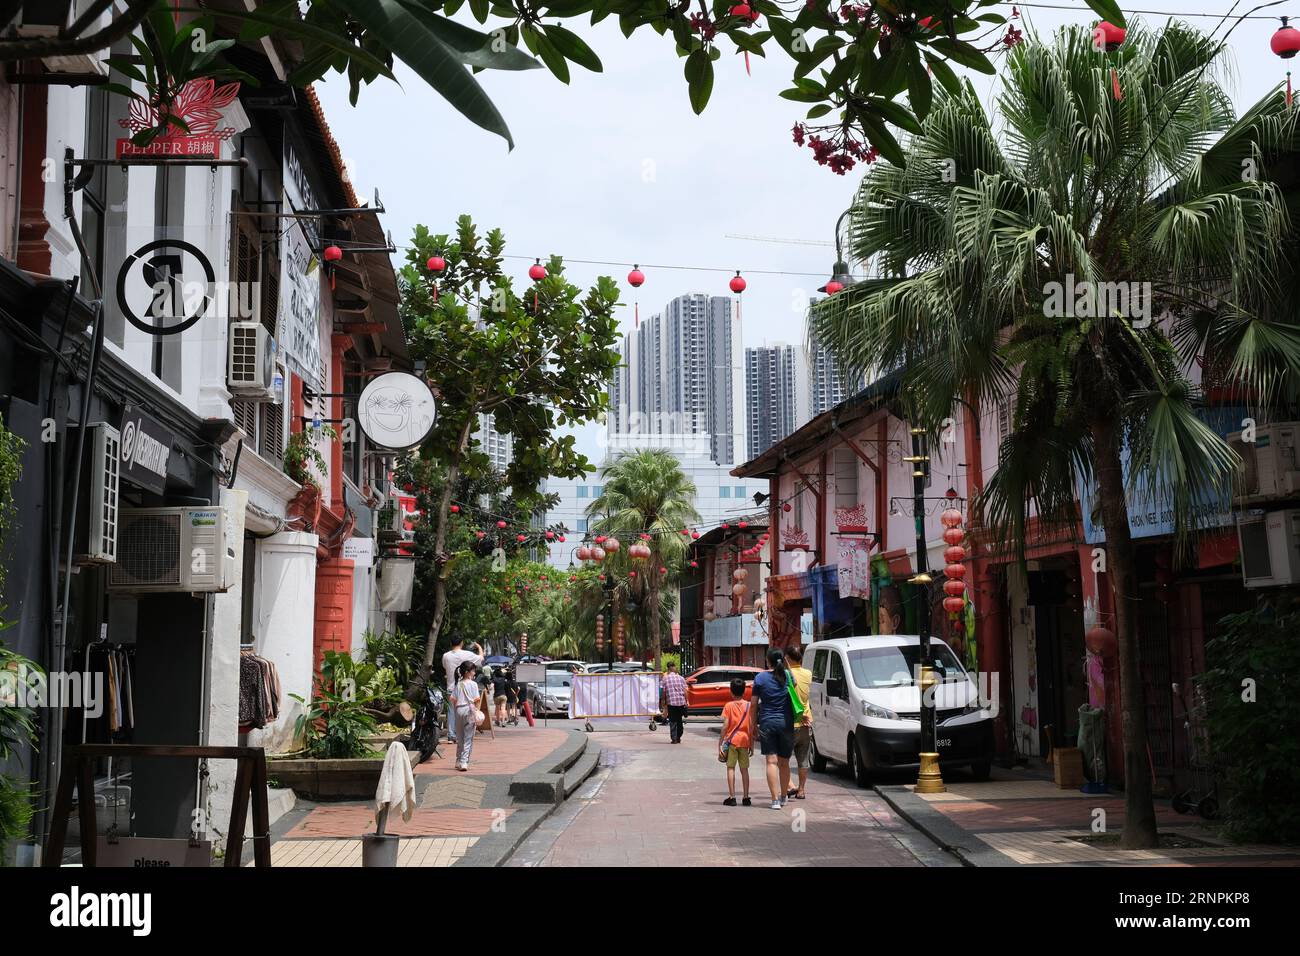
x: 954, y: 588
x: 521, y: 538
x: 600, y: 539
x: 742, y: 524
x: 695, y: 536
x: 708, y: 605
x: 1286, y: 43
x: 738, y: 590
x: 725, y: 526
x: 501, y: 524
x: 436, y: 263
x: 612, y: 544
x: 695, y: 564
x: 662, y: 569
x: 1109, y: 37
x: 635, y: 277
x: 954, y: 605
x: 739, y: 574
x: 561, y: 539
x: 954, y: 536
x: 331, y: 254
x: 583, y: 553
x: 631, y: 574
x: 550, y: 536
x: 954, y: 554
x: 951, y: 518
x: 686, y: 532
x: 786, y: 507
x: 455, y: 509
x: 598, y: 554
x: 480, y: 535
x: 957, y: 571
x: 738, y: 283
x: 537, y: 271
x: 1100, y: 640
x: 644, y: 536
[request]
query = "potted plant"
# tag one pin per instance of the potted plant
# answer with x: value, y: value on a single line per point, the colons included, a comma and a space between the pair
x: 300, y: 453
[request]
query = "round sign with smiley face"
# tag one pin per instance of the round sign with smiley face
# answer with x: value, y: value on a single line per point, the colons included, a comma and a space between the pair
x: 396, y: 411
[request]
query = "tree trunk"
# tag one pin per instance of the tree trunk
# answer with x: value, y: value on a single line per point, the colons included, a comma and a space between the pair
x: 439, y: 560
x: 653, y: 618
x: 1139, y: 811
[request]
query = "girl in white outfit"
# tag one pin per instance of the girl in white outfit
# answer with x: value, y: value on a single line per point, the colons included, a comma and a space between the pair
x: 464, y: 700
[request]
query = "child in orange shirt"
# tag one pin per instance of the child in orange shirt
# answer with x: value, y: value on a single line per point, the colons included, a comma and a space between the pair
x: 735, y: 744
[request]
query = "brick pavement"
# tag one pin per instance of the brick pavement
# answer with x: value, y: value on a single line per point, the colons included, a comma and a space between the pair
x: 1032, y: 822
x: 656, y: 804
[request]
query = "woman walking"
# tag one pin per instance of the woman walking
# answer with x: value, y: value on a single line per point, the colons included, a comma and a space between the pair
x: 465, y: 701
x: 771, y: 723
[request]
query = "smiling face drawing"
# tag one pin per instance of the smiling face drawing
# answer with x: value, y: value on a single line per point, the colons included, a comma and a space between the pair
x: 389, y: 409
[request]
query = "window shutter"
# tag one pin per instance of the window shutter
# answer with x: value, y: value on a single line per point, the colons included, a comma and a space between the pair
x: 271, y: 297
x: 846, y: 478
x: 245, y: 416
x: 271, y: 445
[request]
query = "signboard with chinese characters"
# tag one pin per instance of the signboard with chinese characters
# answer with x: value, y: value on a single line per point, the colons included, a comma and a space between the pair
x: 300, y: 290
x: 198, y: 106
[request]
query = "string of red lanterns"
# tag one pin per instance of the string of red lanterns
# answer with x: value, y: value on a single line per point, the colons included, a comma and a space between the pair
x: 953, y: 556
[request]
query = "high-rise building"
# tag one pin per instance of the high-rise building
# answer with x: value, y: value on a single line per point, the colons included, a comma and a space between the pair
x: 681, y: 376
x: 777, y: 394
x: 497, y: 446
x: 827, y: 383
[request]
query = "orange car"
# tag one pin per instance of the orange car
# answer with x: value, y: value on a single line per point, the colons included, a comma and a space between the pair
x: 709, y: 688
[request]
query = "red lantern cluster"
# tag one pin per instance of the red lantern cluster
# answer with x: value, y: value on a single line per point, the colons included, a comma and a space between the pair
x: 954, y: 555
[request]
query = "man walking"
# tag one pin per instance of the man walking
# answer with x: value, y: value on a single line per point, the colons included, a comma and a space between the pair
x: 452, y: 660
x: 803, y: 726
x: 673, y: 690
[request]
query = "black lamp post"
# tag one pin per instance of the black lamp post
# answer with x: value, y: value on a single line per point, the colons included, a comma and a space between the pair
x: 840, y: 278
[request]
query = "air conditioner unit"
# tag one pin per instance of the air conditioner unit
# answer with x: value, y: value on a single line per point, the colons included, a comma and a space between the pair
x: 1270, y: 464
x: 173, y: 549
x: 1270, y: 548
x: 97, y: 502
x: 250, y: 368
x: 49, y: 18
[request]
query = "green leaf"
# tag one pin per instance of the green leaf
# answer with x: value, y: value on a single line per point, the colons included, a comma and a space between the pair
x: 699, y: 79
x: 125, y: 65
x: 293, y: 27
x: 552, y: 57
x: 879, y: 136
x: 894, y: 113
x: 947, y: 78
x: 574, y: 48
x: 479, y: 9
x: 472, y: 47
x: 965, y: 54
x: 919, y: 91
x: 1109, y: 11
x: 819, y: 111
x: 431, y: 59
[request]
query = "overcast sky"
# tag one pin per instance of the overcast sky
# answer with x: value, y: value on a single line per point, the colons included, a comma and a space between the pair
x: 616, y: 166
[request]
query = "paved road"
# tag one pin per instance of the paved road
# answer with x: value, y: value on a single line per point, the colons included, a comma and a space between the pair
x: 655, y: 804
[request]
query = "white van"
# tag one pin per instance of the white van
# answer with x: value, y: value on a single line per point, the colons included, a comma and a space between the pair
x: 867, y: 707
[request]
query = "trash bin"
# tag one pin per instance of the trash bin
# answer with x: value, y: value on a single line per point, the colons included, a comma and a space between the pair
x: 379, y: 849
x: 1092, y: 742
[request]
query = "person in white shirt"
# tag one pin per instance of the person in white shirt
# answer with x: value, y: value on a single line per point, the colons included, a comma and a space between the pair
x: 464, y: 699
x: 450, y: 662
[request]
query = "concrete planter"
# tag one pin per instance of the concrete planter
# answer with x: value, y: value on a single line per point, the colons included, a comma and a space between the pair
x: 350, y: 779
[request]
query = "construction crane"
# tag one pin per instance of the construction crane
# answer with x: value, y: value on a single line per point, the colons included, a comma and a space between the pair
x: 789, y: 242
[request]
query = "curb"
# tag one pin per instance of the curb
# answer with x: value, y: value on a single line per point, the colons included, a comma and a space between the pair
x: 961, y: 843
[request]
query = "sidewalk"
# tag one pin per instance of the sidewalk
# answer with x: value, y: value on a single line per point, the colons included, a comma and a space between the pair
x: 466, y: 819
x: 1016, y: 818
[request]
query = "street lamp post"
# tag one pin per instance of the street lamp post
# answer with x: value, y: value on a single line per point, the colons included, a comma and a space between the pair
x: 929, y: 779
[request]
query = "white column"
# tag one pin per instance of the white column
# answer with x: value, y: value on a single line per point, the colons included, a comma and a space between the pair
x: 286, y: 582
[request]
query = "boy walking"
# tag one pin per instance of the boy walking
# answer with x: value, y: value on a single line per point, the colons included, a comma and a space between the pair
x: 735, y: 743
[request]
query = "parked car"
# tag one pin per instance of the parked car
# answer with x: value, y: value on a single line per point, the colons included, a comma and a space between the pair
x: 553, y: 697
x: 567, y: 667
x: 709, y: 688
x: 867, y: 707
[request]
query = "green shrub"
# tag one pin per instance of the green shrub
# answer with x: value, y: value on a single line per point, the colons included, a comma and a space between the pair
x: 337, y: 721
x: 673, y: 657
x: 1251, y: 690
x: 400, y: 651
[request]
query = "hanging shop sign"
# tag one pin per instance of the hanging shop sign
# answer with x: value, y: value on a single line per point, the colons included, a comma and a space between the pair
x: 165, y: 286
x: 148, y: 852
x: 360, y: 551
x: 396, y: 411
x: 198, y: 106
x: 300, y: 291
x: 146, y: 450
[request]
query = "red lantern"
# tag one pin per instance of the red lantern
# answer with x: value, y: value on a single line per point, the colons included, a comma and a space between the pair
x: 612, y: 545
x: 954, y: 605
x: 333, y: 254
x: 955, y: 554
x: 436, y: 263
x: 951, y: 518
x: 1109, y: 36
x: 954, y: 588
x: 695, y: 564
x: 957, y: 571
x: 954, y: 535
x: 480, y: 535
x: 738, y: 283
x: 521, y: 537
x: 742, y: 524
x: 663, y: 570
x: 501, y: 524
x: 1286, y: 41
x: 635, y: 277
x: 600, y: 539
x: 725, y: 526
x: 598, y: 554
x: 786, y: 507
x: 1100, y: 640
x: 537, y: 271
x: 561, y: 539
x: 455, y: 509
x: 695, y: 535
x: 583, y: 553
x: 644, y: 536
x: 550, y: 536
x: 832, y: 287
x: 631, y: 574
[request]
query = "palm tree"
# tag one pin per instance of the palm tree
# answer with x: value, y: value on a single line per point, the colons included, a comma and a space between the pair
x: 1078, y: 186
x: 646, y: 493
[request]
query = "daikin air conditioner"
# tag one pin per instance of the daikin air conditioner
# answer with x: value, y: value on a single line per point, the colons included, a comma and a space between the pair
x: 97, y: 501
x: 251, y: 367
x: 50, y: 18
x: 173, y: 549
x: 1270, y: 547
x: 1270, y: 464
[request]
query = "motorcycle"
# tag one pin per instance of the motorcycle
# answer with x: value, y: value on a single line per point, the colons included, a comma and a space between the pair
x: 428, y: 724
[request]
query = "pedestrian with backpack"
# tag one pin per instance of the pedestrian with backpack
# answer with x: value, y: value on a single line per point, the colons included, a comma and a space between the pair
x: 735, y: 742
